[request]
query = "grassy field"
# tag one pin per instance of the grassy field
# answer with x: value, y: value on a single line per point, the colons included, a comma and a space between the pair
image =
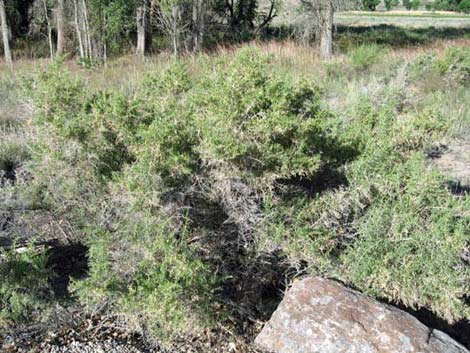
x: 409, y: 19
x: 289, y: 15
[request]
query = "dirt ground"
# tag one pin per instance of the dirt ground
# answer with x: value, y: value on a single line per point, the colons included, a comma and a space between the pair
x: 454, y: 161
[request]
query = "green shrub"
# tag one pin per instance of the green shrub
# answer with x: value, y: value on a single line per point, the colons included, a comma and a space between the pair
x: 179, y: 185
x: 464, y: 6
x: 410, y: 241
x: 12, y: 154
x: 385, y: 232
x: 146, y: 273
x: 422, y: 66
x: 124, y: 168
x: 445, y: 5
x: 389, y: 4
x: 455, y: 65
x: 370, y: 5
x: 408, y: 4
x: 98, y: 122
x: 403, y: 233
x: 24, y: 286
x: 366, y: 55
x: 415, y: 132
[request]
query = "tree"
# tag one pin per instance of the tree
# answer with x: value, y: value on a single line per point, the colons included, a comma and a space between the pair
x: 142, y: 16
x: 5, y: 33
x: 241, y: 14
x: 389, y: 4
x: 49, y: 28
x: 464, y: 6
x: 60, y: 14
x: 174, y: 19
x: 321, y: 13
x: 370, y: 5
x: 407, y: 4
x: 264, y: 18
x: 326, y: 30
x: 198, y: 23
x: 243, y: 18
x: 101, y: 26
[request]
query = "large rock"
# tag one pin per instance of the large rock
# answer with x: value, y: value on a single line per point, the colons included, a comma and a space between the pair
x: 320, y: 315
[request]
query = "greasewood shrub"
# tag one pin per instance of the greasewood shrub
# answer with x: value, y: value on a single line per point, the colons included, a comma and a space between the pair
x: 98, y: 122
x: 13, y: 153
x: 386, y: 232
x: 414, y: 132
x: 24, y: 288
x: 178, y: 142
x: 413, y: 244
x: 150, y: 275
x: 178, y: 186
x: 456, y: 65
x: 260, y: 122
x: 410, y: 241
x: 453, y: 66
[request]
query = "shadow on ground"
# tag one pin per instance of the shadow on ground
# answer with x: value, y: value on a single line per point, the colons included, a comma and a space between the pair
x: 387, y: 35
x: 459, y: 331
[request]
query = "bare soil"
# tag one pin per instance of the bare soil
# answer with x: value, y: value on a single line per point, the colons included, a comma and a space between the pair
x: 454, y: 162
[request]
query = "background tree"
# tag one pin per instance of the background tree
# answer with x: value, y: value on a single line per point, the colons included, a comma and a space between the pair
x: 60, y: 17
x: 5, y: 33
x: 321, y: 15
x: 174, y: 19
x: 41, y: 22
x: 415, y: 4
x: 101, y: 27
x: 389, y: 4
x: 45, y: 7
x: 143, y: 26
x: 200, y: 9
x: 264, y: 18
x: 371, y: 5
x: 407, y: 4
x: 464, y: 6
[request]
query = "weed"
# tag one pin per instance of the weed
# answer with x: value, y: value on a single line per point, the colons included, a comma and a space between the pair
x: 366, y: 55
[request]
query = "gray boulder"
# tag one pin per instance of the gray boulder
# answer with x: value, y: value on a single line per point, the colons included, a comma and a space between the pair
x: 322, y: 316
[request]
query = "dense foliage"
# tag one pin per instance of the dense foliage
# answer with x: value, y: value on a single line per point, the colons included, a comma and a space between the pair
x: 370, y: 5
x: 198, y: 187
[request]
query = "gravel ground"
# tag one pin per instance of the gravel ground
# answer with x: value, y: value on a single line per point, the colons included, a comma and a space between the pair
x: 96, y: 335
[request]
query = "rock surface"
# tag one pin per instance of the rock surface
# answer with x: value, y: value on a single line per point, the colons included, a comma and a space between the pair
x: 322, y: 316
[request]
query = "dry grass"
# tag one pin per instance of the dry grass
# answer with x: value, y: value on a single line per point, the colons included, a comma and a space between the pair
x: 407, y: 13
x: 408, y: 19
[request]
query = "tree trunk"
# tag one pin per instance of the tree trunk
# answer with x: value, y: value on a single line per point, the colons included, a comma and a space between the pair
x: 142, y: 28
x: 198, y: 24
x: 86, y: 32
x: 60, y: 27
x: 5, y: 33
x: 326, y: 31
x: 78, y: 29
x: 49, y: 30
x: 175, y: 17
